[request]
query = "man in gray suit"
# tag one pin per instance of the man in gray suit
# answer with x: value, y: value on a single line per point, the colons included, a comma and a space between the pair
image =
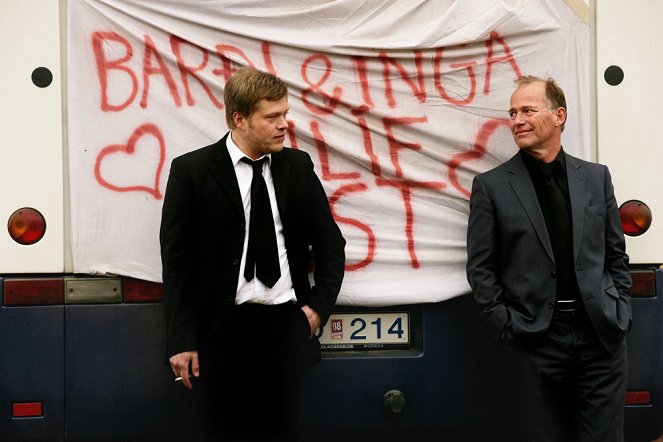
x: 548, y: 268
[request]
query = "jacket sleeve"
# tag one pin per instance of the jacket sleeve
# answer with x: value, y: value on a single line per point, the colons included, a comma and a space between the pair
x: 483, y: 261
x: 616, y: 259
x: 328, y: 248
x: 177, y: 261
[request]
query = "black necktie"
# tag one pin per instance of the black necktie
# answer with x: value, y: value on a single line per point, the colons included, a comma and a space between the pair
x: 557, y: 214
x: 555, y: 205
x: 262, y: 252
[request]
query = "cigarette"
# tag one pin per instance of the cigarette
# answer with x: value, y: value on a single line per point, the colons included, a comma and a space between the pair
x: 179, y: 378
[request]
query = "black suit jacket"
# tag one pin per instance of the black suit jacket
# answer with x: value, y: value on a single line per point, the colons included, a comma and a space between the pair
x: 511, y: 266
x: 202, y: 236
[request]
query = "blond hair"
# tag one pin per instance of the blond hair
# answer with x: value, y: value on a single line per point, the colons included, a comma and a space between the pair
x: 246, y: 88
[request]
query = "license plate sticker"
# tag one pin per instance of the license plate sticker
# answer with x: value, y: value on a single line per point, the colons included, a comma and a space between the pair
x: 365, y: 331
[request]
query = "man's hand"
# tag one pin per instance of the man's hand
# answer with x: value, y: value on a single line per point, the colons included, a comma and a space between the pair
x: 313, y: 319
x: 180, y: 365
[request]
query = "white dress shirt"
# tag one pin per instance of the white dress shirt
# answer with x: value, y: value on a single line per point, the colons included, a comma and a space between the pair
x: 255, y: 291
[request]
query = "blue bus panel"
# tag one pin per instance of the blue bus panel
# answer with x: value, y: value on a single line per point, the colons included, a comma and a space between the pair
x: 98, y: 373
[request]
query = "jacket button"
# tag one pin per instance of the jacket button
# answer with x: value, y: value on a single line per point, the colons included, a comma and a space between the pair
x: 553, y: 274
x: 236, y: 262
x: 550, y: 305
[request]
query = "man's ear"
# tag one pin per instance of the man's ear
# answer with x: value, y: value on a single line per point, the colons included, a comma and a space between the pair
x: 239, y: 120
x: 560, y: 116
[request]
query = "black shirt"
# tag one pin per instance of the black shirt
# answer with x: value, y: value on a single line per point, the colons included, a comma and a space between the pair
x: 552, y: 191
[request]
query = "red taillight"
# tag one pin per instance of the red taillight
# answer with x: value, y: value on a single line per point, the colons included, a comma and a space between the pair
x: 27, y: 409
x: 26, y: 226
x: 137, y: 290
x: 636, y: 217
x: 637, y: 398
x: 643, y: 283
x: 33, y: 291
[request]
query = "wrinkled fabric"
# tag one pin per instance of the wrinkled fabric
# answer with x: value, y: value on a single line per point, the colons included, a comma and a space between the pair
x: 399, y: 104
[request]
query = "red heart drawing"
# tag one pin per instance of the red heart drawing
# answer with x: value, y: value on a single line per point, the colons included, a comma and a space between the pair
x: 129, y: 149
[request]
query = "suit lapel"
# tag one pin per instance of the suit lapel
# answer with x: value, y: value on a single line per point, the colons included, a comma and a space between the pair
x: 280, y: 174
x: 224, y: 173
x: 576, y: 182
x: 522, y: 186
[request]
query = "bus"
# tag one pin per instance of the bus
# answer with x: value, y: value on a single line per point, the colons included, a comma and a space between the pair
x: 82, y: 354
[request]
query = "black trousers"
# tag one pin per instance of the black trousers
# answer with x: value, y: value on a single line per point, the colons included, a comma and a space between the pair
x: 250, y: 384
x: 569, y: 388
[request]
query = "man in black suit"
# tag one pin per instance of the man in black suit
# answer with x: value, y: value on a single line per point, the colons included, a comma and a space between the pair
x: 242, y: 219
x: 547, y: 265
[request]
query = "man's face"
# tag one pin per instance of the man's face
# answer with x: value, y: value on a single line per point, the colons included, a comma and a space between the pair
x: 263, y: 132
x: 534, y: 127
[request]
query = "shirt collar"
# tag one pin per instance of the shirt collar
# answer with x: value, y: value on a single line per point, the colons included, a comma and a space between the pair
x: 236, y: 153
x: 532, y: 163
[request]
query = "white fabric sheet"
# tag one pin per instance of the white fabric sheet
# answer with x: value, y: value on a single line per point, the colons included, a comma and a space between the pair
x: 400, y: 103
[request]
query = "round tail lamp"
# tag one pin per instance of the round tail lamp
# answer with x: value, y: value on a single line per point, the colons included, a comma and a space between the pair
x: 636, y: 217
x: 26, y: 226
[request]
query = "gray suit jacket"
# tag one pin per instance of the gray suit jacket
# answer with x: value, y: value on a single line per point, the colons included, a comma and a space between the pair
x: 511, y: 267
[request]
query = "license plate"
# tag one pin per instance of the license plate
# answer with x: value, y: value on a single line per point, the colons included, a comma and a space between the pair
x: 365, y: 331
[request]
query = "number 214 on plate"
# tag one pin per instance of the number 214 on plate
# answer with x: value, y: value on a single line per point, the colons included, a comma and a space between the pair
x: 366, y: 328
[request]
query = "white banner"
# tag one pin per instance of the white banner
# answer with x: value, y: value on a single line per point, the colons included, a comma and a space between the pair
x: 399, y: 103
